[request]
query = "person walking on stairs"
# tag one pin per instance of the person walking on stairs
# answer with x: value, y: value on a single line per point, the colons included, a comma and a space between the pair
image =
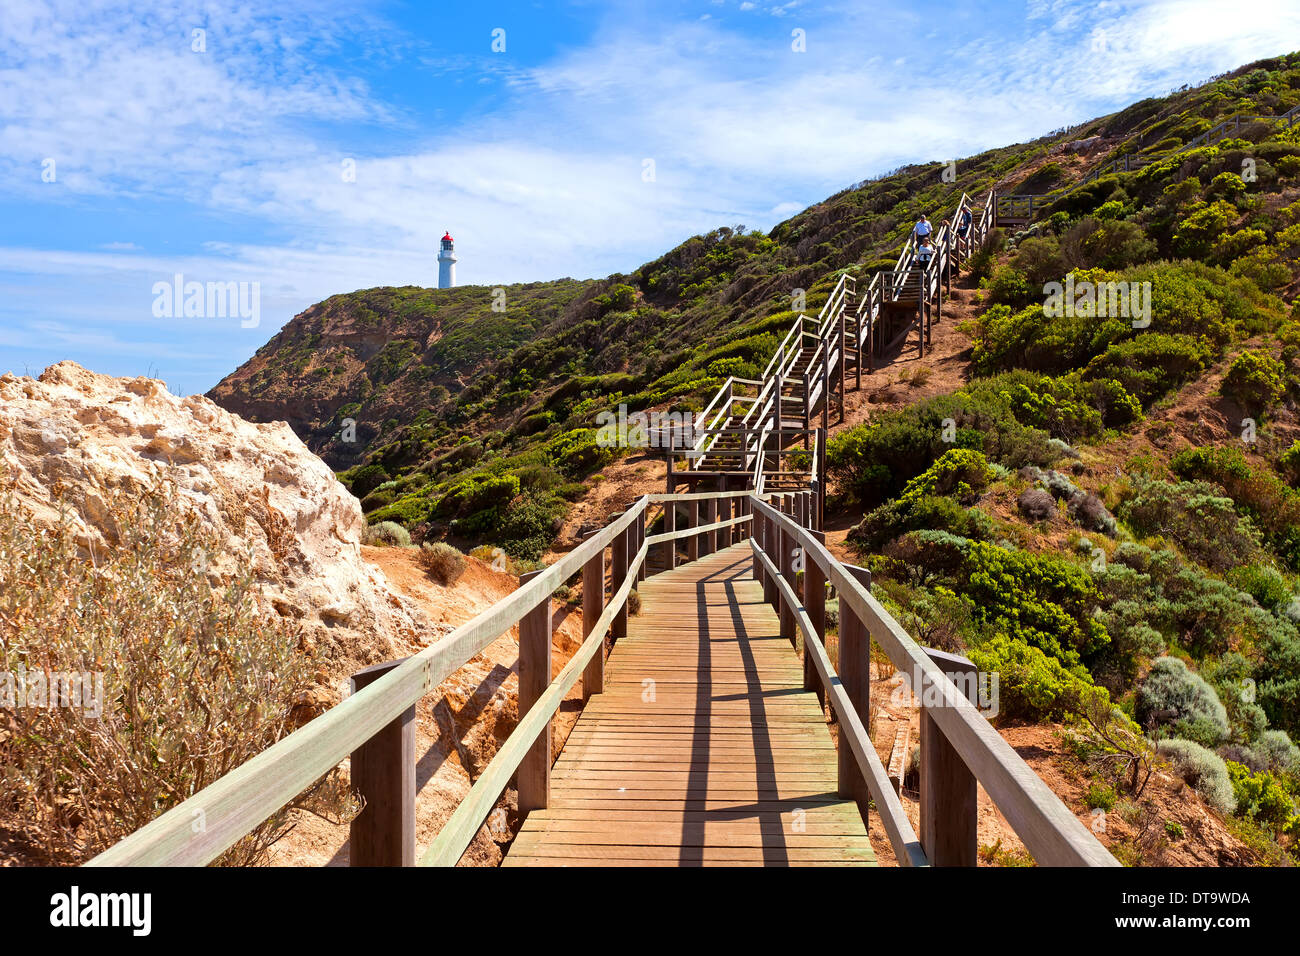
x: 924, y: 253
x: 922, y: 229
x: 963, y: 222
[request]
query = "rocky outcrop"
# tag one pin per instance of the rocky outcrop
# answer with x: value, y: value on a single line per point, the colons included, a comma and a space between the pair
x: 270, y: 503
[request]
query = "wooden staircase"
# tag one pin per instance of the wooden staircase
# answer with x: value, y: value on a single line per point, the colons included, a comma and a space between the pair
x: 769, y: 434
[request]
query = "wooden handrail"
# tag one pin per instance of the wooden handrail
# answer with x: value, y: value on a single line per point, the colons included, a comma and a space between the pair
x: 235, y: 804
x: 459, y: 830
x: 907, y: 848
x: 1049, y: 831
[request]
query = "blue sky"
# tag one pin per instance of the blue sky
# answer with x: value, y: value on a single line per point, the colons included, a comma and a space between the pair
x: 226, y: 164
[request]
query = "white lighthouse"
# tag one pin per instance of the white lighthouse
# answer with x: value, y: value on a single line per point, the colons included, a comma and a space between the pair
x: 446, y: 263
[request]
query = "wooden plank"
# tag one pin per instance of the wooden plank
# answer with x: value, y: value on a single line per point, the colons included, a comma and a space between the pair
x: 704, y: 747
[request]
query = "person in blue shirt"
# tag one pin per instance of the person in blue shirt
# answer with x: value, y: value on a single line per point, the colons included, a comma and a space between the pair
x: 963, y: 222
x: 922, y: 229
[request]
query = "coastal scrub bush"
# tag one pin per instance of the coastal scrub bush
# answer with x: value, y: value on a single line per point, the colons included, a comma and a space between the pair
x: 1262, y: 797
x: 1203, y: 769
x: 1175, y: 697
x: 443, y: 562
x: 191, y: 675
x: 1256, y: 381
x: 1040, y: 600
x: 386, y: 533
x: 1271, y: 504
x: 1194, y: 514
x: 1031, y: 685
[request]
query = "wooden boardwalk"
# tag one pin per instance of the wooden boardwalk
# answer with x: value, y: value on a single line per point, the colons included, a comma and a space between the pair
x: 704, y: 748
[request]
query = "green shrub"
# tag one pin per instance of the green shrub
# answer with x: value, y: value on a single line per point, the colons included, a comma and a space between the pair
x: 1203, y: 769
x: 577, y: 454
x: 961, y: 472
x: 915, y: 513
x: 1173, y: 696
x: 1261, y: 582
x: 1107, y: 244
x: 1031, y: 685
x: 1100, y: 796
x: 873, y: 462
x: 1151, y: 365
x: 1195, y: 235
x: 1038, y: 261
x: 365, y: 479
x: 387, y: 533
x: 1009, y: 286
x: 1256, y: 381
x: 478, y: 493
x: 1204, y: 523
x: 1040, y: 600
x: 1289, y: 462
x: 1262, y: 797
x: 1270, y: 504
x: 528, y: 525
x: 443, y: 562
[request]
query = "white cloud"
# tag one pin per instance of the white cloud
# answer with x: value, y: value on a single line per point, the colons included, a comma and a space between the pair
x: 549, y: 183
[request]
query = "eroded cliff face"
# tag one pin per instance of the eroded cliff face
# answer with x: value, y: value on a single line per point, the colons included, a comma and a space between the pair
x: 271, y: 504
x: 277, y: 509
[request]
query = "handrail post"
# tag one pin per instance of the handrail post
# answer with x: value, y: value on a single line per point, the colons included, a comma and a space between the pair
x: 620, y: 557
x: 744, y: 529
x: 807, y: 405
x: 692, y: 521
x: 771, y: 547
x: 727, y: 535
x: 383, y: 773
x: 786, y: 566
x: 670, y: 525
x: 826, y: 382
x: 949, y: 793
x: 814, y: 602
x: 710, y: 515
x: 854, y: 667
x: 593, y: 605
x: 821, y: 480
x: 639, y: 540
x: 534, y: 774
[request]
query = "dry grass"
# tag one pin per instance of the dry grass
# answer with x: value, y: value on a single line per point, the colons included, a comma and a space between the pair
x: 443, y: 562
x: 197, y: 676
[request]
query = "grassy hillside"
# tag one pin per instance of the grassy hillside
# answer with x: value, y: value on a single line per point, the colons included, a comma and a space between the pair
x: 485, y: 418
x: 1112, y: 513
x: 1104, y: 513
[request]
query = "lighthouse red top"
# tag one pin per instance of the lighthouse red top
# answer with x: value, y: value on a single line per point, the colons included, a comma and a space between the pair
x: 446, y: 237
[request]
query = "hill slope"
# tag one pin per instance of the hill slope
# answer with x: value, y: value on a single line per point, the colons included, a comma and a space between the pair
x: 1097, y: 531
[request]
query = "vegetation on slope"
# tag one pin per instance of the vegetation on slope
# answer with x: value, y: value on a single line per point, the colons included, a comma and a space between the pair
x: 1114, y: 566
x: 1053, y: 519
